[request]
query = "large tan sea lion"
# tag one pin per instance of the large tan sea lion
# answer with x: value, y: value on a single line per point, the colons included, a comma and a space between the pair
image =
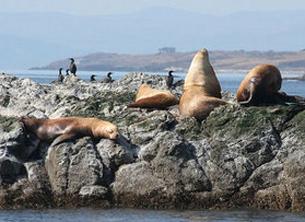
x: 201, y: 91
x: 66, y: 128
x: 148, y: 97
x: 261, y: 85
x: 201, y: 73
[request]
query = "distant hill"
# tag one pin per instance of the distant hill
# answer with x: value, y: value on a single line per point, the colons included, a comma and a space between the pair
x: 226, y: 60
x: 34, y: 39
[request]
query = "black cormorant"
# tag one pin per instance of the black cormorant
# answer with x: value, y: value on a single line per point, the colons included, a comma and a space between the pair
x: 60, y: 76
x: 108, y: 79
x: 72, y: 67
x: 92, y: 78
x: 170, y: 79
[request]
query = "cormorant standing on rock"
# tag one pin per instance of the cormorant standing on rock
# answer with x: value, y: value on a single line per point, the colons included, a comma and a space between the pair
x: 67, y: 72
x: 170, y: 79
x: 72, y: 67
x: 92, y: 78
x: 60, y: 76
x: 108, y: 79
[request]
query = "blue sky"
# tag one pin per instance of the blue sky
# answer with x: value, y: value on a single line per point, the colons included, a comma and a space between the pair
x: 94, y: 7
x: 145, y: 26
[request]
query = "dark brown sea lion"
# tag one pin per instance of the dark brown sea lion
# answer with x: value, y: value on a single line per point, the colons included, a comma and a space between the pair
x: 148, y: 97
x: 201, y: 91
x: 66, y: 128
x: 261, y: 85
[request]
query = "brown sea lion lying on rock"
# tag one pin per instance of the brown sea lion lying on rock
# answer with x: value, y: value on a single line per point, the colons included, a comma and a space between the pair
x: 201, y: 91
x: 66, y: 128
x: 148, y: 97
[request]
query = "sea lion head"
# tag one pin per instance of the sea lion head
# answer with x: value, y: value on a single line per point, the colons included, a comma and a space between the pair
x: 28, y: 123
x: 107, y: 130
x: 200, y: 60
x: 201, y: 74
x: 112, y: 133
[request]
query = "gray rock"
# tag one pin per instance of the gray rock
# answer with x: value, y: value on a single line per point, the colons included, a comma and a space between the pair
x: 238, y: 156
x: 72, y: 166
x: 93, y: 192
x: 10, y: 169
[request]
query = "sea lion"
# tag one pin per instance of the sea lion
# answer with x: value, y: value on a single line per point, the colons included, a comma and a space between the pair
x: 261, y: 85
x: 66, y: 128
x: 201, y: 73
x: 148, y: 97
x: 201, y: 90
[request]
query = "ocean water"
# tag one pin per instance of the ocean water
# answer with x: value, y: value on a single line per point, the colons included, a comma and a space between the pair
x: 229, y: 80
x: 126, y: 215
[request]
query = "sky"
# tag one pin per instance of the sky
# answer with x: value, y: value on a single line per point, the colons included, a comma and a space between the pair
x: 134, y: 26
x: 102, y: 7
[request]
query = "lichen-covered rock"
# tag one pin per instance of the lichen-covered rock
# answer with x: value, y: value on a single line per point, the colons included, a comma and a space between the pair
x: 72, y: 166
x: 238, y: 156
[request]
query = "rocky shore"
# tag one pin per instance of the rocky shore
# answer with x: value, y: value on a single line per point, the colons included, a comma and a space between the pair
x: 237, y: 157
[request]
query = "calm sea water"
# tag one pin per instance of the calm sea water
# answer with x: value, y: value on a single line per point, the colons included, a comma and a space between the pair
x: 126, y: 215
x: 229, y: 80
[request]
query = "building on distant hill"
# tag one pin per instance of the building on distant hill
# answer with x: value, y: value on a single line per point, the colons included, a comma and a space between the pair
x: 165, y: 50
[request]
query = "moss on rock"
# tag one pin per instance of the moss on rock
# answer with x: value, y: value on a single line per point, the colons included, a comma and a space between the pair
x: 8, y: 123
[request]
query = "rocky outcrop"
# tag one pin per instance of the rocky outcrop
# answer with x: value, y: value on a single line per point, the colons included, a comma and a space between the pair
x: 238, y: 156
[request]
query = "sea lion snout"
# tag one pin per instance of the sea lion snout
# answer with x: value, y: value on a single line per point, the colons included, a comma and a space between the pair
x: 204, y: 51
x: 112, y: 133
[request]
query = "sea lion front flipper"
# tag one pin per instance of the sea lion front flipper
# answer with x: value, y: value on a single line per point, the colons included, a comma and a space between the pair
x: 62, y: 138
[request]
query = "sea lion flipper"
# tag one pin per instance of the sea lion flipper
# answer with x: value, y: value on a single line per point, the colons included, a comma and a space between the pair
x: 62, y: 138
x: 132, y: 105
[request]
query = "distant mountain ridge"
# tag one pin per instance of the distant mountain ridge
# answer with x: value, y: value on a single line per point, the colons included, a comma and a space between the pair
x: 34, y: 39
x: 180, y: 61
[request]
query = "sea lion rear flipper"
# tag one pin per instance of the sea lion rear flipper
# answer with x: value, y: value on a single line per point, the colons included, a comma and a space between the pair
x: 62, y: 138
